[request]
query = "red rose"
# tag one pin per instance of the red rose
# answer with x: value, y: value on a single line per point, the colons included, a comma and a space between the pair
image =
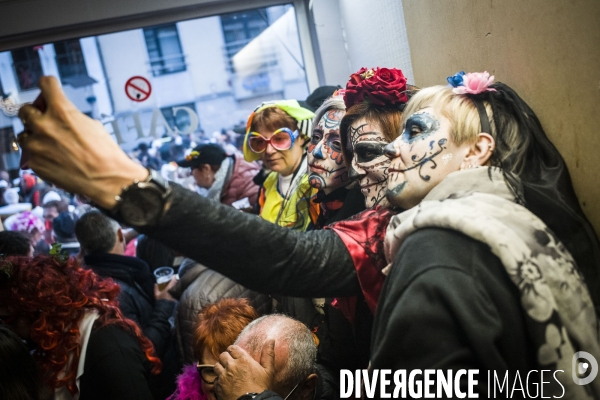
x: 382, y: 86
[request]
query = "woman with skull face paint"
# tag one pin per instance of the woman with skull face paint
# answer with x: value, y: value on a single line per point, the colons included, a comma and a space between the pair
x: 337, y: 196
x: 328, y: 173
x: 485, y: 263
x: 342, y: 261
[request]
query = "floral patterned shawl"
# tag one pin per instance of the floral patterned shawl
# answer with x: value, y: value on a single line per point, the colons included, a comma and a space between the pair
x: 559, y: 312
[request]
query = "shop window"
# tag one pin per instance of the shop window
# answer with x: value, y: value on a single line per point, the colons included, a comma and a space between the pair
x: 180, y: 120
x: 164, y: 50
x: 27, y: 67
x: 69, y: 59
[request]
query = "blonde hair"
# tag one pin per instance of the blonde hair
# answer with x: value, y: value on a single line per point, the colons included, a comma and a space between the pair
x: 466, y: 125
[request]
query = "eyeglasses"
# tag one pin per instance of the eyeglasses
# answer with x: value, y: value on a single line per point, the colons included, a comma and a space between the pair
x: 207, y: 373
x: 282, y: 139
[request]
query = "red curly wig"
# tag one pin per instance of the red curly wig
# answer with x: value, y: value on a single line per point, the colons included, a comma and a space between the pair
x: 54, y: 295
x: 220, y: 324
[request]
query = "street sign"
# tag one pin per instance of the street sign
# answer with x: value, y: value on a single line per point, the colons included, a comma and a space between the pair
x: 138, y: 88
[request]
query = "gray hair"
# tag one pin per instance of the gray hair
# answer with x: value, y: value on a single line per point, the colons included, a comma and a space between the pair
x: 300, y: 342
x: 332, y: 103
x: 96, y: 233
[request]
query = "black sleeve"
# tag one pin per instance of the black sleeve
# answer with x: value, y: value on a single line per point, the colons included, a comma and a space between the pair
x: 114, y: 367
x: 158, y: 327
x: 255, y: 253
x: 428, y: 325
x: 436, y: 313
x: 128, y: 306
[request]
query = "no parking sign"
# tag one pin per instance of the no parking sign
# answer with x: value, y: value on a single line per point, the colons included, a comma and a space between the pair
x: 138, y: 88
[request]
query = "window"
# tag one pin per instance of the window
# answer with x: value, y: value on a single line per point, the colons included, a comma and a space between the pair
x: 164, y: 50
x: 188, y: 82
x: 245, y: 25
x: 69, y: 59
x: 27, y: 67
x: 180, y: 120
x: 240, y: 28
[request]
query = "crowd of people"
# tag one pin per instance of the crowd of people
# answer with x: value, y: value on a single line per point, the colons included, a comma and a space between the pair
x: 378, y: 226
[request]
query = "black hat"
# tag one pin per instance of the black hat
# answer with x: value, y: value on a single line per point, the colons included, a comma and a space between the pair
x: 318, y: 96
x: 142, y: 147
x: 239, y: 129
x: 64, y: 225
x: 208, y: 153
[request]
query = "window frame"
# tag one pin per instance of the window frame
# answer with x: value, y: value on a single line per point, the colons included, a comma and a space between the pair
x: 66, y: 55
x: 16, y: 64
x: 159, y: 65
x: 150, y: 13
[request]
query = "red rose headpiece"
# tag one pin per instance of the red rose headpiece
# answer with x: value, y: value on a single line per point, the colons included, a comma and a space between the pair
x: 383, y: 86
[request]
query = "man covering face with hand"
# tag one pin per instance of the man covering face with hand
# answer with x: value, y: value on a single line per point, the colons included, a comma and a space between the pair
x: 274, y: 357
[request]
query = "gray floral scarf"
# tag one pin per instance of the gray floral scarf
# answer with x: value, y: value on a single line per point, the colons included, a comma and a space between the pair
x: 221, y: 177
x: 479, y: 204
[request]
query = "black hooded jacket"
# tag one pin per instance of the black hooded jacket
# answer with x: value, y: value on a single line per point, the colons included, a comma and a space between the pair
x: 137, y: 295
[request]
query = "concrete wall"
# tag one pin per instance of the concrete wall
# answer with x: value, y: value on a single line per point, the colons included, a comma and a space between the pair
x: 332, y: 42
x: 376, y: 34
x: 357, y: 33
x: 547, y: 50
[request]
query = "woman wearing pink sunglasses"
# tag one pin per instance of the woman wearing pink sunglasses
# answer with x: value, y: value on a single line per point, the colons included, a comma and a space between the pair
x: 276, y: 134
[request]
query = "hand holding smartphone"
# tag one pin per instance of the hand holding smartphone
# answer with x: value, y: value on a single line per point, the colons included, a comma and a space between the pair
x: 40, y: 104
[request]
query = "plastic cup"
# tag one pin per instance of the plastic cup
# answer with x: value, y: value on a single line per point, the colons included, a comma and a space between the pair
x: 163, y: 276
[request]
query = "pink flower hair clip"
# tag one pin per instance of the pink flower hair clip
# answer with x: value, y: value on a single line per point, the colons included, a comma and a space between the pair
x: 472, y: 82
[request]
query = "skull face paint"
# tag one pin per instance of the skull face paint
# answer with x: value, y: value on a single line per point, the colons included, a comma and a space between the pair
x: 369, y: 163
x: 422, y: 156
x: 327, y: 170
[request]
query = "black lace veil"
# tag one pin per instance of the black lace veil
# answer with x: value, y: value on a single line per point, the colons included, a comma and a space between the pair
x: 546, y: 185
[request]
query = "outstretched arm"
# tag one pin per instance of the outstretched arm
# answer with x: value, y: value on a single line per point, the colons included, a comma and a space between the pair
x: 65, y: 147
x: 255, y: 253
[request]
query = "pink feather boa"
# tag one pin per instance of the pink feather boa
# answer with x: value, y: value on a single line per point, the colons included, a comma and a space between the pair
x: 189, y: 386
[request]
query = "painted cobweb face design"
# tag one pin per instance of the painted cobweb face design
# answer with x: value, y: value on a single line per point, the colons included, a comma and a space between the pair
x: 423, y: 155
x: 369, y: 163
x: 327, y: 170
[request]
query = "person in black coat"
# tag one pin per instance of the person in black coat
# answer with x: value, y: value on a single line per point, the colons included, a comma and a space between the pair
x: 101, y: 356
x: 19, y: 376
x: 487, y: 265
x: 338, y: 198
x: 103, y: 246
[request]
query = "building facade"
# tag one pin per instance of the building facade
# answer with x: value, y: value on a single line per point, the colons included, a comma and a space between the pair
x: 204, y: 74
